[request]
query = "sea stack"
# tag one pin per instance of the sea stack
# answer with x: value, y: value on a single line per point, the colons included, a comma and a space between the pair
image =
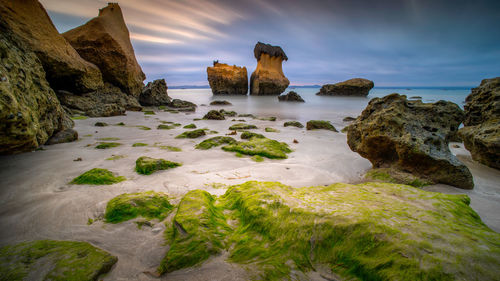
x: 225, y: 79
x: 268, y: 77
x: 352, y: 87
x: 105, y: 42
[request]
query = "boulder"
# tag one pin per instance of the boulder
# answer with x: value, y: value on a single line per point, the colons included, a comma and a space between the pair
x: 220, y: 102
x: 393, y: 132
x: 481, y: 134
x: 105, y: 41
x: 182, y: 105
x: 64, y: 68
x: 214, y: 115
x: 29, y: 110
x: 155, y: 93
x: 67, y: 135
x: 268, y: 77
x: 227, y: 80
x: 291, y: 96
x: 351, y: 87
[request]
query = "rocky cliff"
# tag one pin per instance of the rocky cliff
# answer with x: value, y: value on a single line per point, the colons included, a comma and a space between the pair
x: 351, y: 87
x: 268, y: 77
x: 227, y: 80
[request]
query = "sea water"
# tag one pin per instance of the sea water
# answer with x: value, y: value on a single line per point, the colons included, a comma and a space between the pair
x: 329, y: 108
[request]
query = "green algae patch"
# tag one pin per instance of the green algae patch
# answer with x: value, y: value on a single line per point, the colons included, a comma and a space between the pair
x: 109, y: 139
x: 79, y: 117
x: 147, y: 165
x: 97, y: 176
x: 271, y: 130
x: 248, y: 135
x: 149, y: 112
x: 293, y: 124
x: 106, y: 145
x: 242, y: 126
x: 320, y: 125
x: 119, y: 124
x: 101, y: 124
x: 144, y: 128
x: 139, y: 144
x: 116, y: 157
x: 190, y: 126
x: 215, y: 141
x: 165, y: 127
x: 260, y: 146
x: 395, y: 176
x: 170, y: 148
x: 257, y: 158
x: 54, y: 260
x: 272, y: 118
x: 149, y: 205
x: 192, y: 134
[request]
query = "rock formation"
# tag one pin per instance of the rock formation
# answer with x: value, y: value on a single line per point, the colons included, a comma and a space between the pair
x: 411, y: 136
x: 291, y: 96
x: 105, y: 41
x: 155, y: 93
x: 65, y: 69
x: 351, y: 87
x: 481, y: 134
x: 268, y: 77
x: 227, y: 80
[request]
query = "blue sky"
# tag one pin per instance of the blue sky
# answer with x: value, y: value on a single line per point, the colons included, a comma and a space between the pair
x: 393, y: 43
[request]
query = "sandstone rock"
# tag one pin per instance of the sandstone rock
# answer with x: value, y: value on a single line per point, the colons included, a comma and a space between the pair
x: 29, y: 110
x: 64, y: 67
x: 105, y: 41
x: 351, y: 87
x: 268, y: 77
x: 291, y: 96
x: 393, y: 132
x: 227, y: 80
x: 155, y: 93
x: 481, y: 134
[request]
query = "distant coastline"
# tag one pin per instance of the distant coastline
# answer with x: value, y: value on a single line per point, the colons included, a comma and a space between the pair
x: 319, y: 86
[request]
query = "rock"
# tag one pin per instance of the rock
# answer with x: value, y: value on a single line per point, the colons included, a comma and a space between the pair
x: 105, y: 41
x: 67, y: 135
x: 481, y: 134
x: 214, y: 115
x: 348, y: 119
x: 291, y: 96
x: 155, y: 93
x: 29, y: 110
x: 320, y: 125
x: 229, y: 113
x: 227, y: 80
x: 220, y: 102
x: 293, y: 123
x: 411, y: 136
x: 268, y: 77
x: 101, y: 124
x: 64, y: 67
x: 182, y: 105
x: 351, y: 87
x: 146, y: 165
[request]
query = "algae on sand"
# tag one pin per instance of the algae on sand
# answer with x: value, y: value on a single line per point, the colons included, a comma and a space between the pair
x: 191, y: 134
x: 242, y: 126
x: 147, y: 165
x: 97, y: 176
x: 215, y: 141
x: 260, y: 146
x: 149, y: 205
x: 106, y: 145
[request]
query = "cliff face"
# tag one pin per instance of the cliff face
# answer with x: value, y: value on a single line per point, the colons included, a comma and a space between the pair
x: 64, y: 67
x: 268, y: 77
x: 227, y: 80
x: 105, y: 41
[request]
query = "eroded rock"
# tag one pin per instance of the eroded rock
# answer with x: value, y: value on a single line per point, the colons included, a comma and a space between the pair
x: 268, y: 77
x: 291, y: 96
x: 351, y: 87
x: 155, y: 93
x: 227, y: 80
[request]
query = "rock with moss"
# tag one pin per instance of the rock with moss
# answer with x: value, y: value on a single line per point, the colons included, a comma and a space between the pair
x: 146, y: 165
x: 54, y: 260
x: 248, y: 135
x: 165, y: 127
x: 215, y: 141
x: 242, y: 126
x: 294, y: 124
x: 247, y: 115
x: 411, y: 136
x: 182, y: 105
x: 97, y: 176
x: 106, y: 145
x: 291, y: 96
x: 155, y: 93
x: 101, y: 124
x: 190, y: 126
x: 348, y: 119
x: 271, y: 118
x: 149, y: 205
x: 68, y: 135
x: 264, y: 147
x: 320, y: 125
x: 221, y: 102
x: 271, y: 130
x: 351, y: 87
x: 214, y: 115
x: 228, y: 113
x: 193, y: 134
x: 396, y: 176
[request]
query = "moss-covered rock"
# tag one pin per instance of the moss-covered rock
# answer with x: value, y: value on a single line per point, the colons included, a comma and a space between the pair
x: 271, y: 130
x: 106, y: 145
x: 149, y: 112
x: 165, y: 127
x: 127, y: 206
x: 101, y: 124
x: 294, y: 124
x: 139, y: 144
x: 214, y: 115
x: 190, y: 126
x: 147, y: 165
x: 228, y: 113
x: 242, y: 126
x: 247, y: 115
x: 215, y: 141
x: 320, y: 124
x: 260, y: 146
x: 272, y: 118
x: 54, y: 260
x: 191, y: 134
x: 248, y: 135
x: 396, y: 176
x: 97, y: 176
x: 221, y: 102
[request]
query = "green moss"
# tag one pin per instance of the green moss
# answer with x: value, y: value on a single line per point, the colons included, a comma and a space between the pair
x: 191, y: 134
x: 88, y: 135
x: 162, y: 107
x: 54, y: 260
x: 165, y: 127
x: 120, y: 124
x: 392, y: 175
x: 320, y: 124
x: 239, y: 155
x: 144, y: 128
x: 138, y: 144
x: 248, y: 135
x: 170, y: 148
x: 106, y: 145
x: 149, y: 112
x: 78, y: 117
x: 109, y: 139
x: 147, y: 165
x: 257, y: 158
x: 149, y: 205
x: 271, y: 130
x: 190, y: 126
x: 268, y: 118
x: 101, y: 124
x: 90, y: 221
x: 116, y: 157
x: 97, y: 176
x: 228, y: 113
x: 247, y: 115
x: 142, y: 223
x: 242, y: 126
x: 260, y: 146
x: 215, y: 141
x: 294, y: 124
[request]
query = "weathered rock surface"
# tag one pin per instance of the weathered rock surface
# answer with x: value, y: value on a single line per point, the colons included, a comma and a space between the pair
x: 227, y: 80
x: 411, y: 136
x: 105, y: 41
x: 182, y: 105
x: 64, y: 67
x: 155, y: 93
x: 351, y: 87
x: 67, y: 135
x: 481, y: 134
x: 291, y: 96
x: 268, y: 77
x: 214, y: 115
x: 29, y: 110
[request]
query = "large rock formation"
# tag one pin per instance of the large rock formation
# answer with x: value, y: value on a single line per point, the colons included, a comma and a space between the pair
x: 155, y: 93
x: 64, y: 67
x: 481, y: 134
x: 268, y: 77
x: 29, y: 110
x: 351, y: 87
x: 105, y: 41
x: 393, y: 132
x: 227, y: 80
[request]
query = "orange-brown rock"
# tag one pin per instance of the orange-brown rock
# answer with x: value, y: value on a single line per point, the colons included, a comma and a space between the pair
x: 268, y: 77
x: 227, y: 80
x: 105, y: 41
x: 64, y: 67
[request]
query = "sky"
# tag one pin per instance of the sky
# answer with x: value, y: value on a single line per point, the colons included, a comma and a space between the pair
x: 392, y: 42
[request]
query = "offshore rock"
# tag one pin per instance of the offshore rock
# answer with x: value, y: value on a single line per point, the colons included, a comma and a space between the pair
x: 227, y: 80
x: 105, y: 41
x: 481, y: 134
x: 65, y: 69
x: 393, y: 132
x: 155, y: 93
x: 268, y: 77
x: 351, y: 87
x: 291, y: 96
